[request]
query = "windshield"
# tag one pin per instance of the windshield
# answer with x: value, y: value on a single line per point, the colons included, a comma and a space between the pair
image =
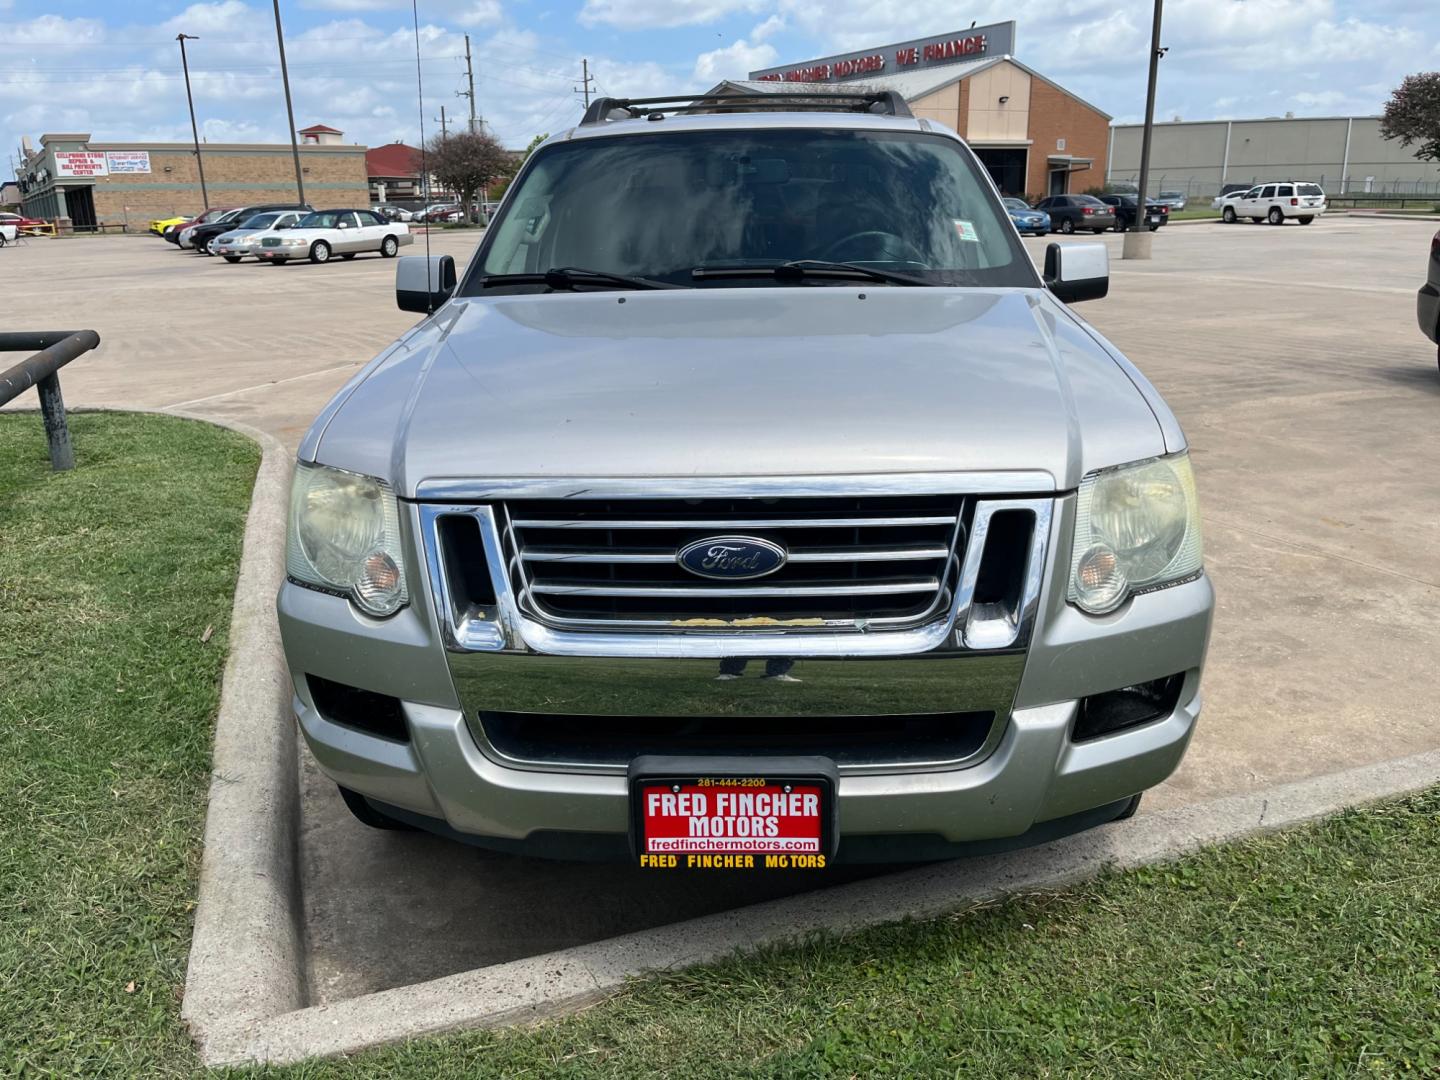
x: 324, y: 219
x: 1017, y: 204
x: 660, y: 206
x: 260, y: 221
x: 1171, y: 194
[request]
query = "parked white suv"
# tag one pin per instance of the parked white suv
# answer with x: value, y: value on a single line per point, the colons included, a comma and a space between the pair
x: 1275, y: 202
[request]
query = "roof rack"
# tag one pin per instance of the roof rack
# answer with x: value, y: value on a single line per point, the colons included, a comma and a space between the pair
x: 882, y: 103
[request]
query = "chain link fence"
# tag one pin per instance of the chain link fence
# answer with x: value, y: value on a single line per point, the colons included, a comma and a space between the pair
x: 1360, y: 188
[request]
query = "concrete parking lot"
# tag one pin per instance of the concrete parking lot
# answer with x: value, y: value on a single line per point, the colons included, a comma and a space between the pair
x: 1290, y: 355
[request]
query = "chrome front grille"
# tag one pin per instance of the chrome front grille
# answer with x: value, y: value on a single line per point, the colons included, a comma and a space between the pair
x: 883, y: 562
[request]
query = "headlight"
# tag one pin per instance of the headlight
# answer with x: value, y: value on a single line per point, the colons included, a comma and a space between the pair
x: 1136, y: 528
x: 345, y: 535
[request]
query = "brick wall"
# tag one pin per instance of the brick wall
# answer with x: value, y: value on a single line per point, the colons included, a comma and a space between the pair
x: 1054, y: 114
x: 234, y: 176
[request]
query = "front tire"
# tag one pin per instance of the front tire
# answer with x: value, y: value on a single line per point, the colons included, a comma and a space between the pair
x: 1228, y: 215
x: 1126, y: 814
x: 232, y: 258
x: 368, y: 815
x: 320, y: 252
x: 1067, y: 227
x: 388, y: 247
x: 1276, y: 216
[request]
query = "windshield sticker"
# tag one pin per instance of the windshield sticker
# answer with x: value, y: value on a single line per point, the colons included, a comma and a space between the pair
x: 966, y: 231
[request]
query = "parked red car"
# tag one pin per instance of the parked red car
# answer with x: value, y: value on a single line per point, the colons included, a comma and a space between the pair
x: 173, y: 232
x: 21, y: 222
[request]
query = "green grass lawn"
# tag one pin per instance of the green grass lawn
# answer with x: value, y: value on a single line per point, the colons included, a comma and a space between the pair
x: 1311, y: 954
x: 1195, y: 213
x: 115, y: 592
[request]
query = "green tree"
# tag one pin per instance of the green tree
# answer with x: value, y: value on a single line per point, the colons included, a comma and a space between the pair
x: 1412, y: 114
x: 466, y: 162
x: 536, y: 141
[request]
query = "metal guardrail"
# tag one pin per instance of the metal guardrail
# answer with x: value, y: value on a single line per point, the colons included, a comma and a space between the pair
x: 56, y: 348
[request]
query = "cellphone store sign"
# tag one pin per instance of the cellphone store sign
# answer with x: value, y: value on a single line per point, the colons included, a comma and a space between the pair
x: 80, y: 163
x: 994, y: 40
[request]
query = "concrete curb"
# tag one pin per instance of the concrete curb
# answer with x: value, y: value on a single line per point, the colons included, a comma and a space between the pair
x: 565, y: 981
x: 246, y: 952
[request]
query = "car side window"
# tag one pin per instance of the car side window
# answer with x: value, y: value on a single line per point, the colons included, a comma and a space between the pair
x: 1253, y: 193
x: 1286, y: 191
x: 1269, y: 192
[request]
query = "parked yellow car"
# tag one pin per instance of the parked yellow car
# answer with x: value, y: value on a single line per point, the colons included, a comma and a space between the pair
x: 159, y: 225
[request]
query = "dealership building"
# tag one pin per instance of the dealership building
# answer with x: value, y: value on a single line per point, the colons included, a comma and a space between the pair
x: 127, y: 184
x: 1034, y: 136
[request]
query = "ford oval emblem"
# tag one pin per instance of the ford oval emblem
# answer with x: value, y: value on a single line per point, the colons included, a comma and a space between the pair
x: 731, y: 558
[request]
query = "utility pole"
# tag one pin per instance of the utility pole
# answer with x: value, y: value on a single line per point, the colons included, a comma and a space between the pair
x: 289, y: 109
x: 585, y: 80
x: 470, y: 75
x: 1137, y: 240
x: 444, y: 132
x: 194, y: 128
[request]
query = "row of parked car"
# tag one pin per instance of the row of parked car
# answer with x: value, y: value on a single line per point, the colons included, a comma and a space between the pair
x: 279, y: 233
x: 1080, y: 213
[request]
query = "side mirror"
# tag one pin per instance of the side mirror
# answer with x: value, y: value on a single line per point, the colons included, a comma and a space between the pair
x: 423, y: 283
x: 1076, y: 272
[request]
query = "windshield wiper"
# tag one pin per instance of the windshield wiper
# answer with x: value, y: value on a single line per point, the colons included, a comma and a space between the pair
x: 797, y: 269
x: 567, y: 277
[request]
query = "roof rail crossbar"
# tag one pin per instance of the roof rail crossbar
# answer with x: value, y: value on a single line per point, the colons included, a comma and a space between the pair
x: 881, y: 102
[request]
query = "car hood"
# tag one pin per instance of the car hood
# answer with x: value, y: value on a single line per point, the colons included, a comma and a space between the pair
x: 741, y: 382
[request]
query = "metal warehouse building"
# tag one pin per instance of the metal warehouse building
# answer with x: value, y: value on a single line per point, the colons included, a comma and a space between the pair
x: 1343, y: 154
x: 127, y: 184
x: 1034, y: 136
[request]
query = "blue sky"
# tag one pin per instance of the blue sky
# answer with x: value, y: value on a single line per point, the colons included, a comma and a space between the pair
x: 111, y: 67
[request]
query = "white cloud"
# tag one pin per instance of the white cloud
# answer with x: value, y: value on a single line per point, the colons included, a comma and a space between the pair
x: 464, y: 12
x: 652, y: 14
x: 769, y: 28
x: 734, y: 61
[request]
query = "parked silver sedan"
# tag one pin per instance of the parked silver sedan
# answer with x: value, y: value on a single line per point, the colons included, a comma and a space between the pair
x: 237, y: 243
x: 325, y: 233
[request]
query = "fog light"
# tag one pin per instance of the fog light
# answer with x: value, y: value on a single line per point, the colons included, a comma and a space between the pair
x: 1127, y: 707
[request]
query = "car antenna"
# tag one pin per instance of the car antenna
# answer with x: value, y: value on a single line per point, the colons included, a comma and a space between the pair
x: 424, y: 172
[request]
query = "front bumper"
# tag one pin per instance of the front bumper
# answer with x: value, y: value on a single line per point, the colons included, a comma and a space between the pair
x: 1029, y: 770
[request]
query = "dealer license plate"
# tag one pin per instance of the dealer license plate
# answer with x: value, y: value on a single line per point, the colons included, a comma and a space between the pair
x: 1154, y: 219
x: 733, y: 822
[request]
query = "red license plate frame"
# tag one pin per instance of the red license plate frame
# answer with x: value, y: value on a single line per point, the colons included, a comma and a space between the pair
x: 758, y: 820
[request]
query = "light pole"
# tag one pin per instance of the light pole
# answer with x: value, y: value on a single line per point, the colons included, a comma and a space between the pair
x: 289, y: 109
x: 194, y: 129
x: 1137, y: 240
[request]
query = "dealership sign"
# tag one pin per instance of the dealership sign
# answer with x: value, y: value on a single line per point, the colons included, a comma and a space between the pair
x: 80, y: 163
x: 997, y: 39
x: 128, y: 161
